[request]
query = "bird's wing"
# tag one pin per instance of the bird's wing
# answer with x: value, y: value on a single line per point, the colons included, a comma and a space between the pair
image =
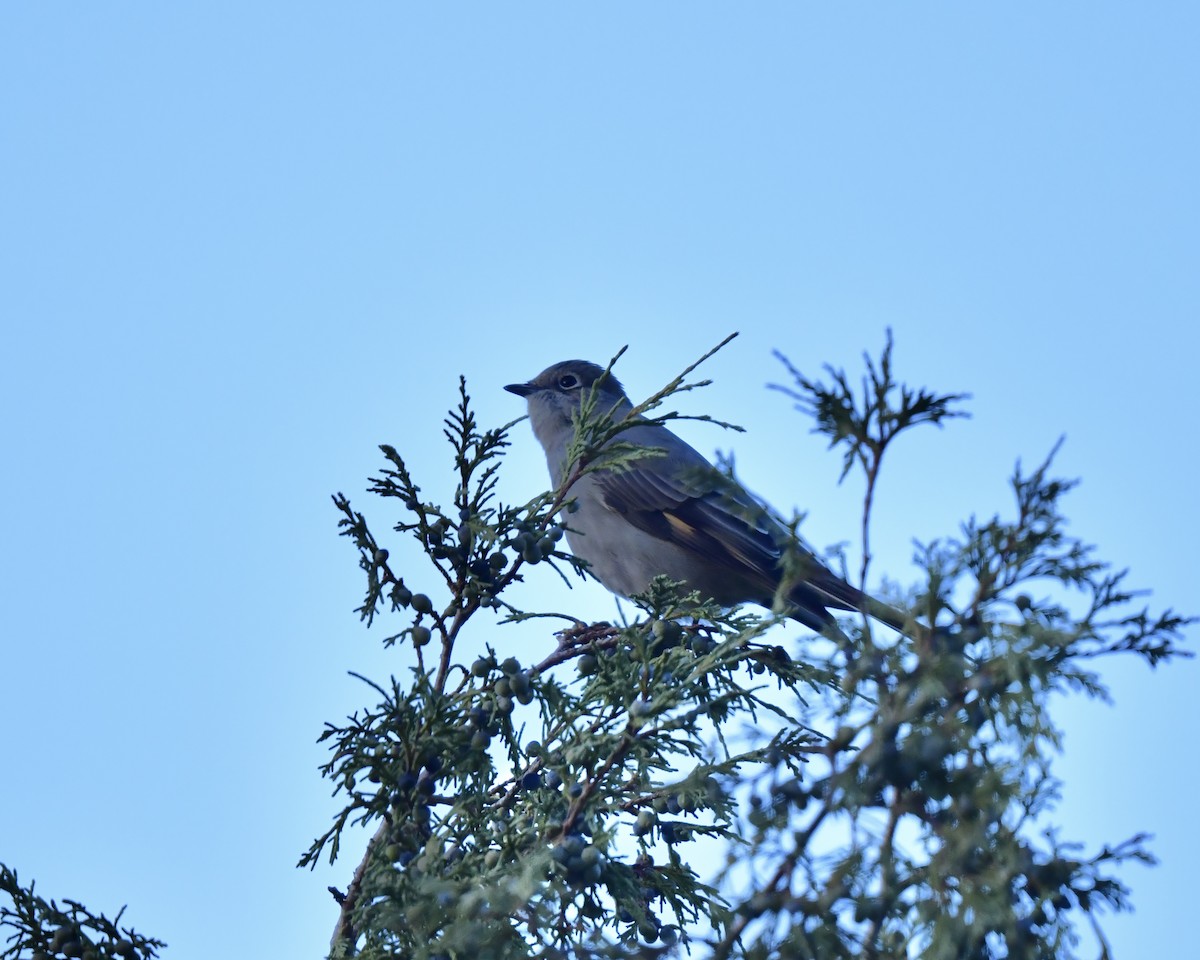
x: 681, y: 498
x: 688, y: 507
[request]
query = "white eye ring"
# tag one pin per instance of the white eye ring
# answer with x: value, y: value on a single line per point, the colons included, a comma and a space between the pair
x: 568, y: 381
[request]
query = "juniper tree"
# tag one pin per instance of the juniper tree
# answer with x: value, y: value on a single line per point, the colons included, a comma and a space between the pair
x: 683, y: 782
x: 877, y: 795
x: 34, y: 928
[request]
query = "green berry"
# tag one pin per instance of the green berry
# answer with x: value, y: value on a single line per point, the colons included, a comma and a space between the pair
x: 667, y: 634
x: 520, y: 683
x: 702, y: 645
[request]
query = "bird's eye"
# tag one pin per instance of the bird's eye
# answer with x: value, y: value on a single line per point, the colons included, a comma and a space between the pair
x: 568, y: 381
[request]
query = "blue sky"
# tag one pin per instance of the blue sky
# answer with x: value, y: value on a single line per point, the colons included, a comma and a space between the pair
x: 243, y: 244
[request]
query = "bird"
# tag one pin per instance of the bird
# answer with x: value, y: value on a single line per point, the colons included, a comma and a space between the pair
x: 672, y: 512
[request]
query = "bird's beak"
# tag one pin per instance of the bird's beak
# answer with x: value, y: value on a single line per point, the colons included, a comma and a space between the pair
x: 521, y: 389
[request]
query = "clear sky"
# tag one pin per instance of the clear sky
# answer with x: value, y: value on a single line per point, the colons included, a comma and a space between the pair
x: 243, y: 244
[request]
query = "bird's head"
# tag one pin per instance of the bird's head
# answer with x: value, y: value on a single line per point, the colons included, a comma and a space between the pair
x: 554, y: 397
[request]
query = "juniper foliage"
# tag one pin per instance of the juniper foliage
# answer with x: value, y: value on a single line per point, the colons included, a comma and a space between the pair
x: 40, y: 929
x: 684, y: 783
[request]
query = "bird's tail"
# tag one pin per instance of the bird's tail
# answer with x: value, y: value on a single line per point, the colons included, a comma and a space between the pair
x: 823, y: 590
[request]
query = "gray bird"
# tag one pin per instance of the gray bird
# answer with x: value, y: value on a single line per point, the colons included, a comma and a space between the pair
x: 673, y: 513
